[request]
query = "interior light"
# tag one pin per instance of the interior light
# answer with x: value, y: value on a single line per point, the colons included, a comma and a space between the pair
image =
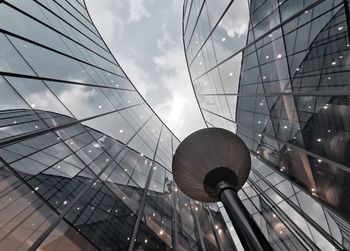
x: 334, y: 63
x: 279, y: 55
x: 319, y: 140
x: 223, y: 39
x: 100, y: 106
x: 340, y: 28
x: 121, y: 130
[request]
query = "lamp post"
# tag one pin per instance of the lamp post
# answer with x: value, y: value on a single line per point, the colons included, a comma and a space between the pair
x: 211, y: 165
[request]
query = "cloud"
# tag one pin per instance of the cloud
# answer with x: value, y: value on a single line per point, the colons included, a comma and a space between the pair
x: 151, y: 54
x: 110, y: 24
x: 235, y: 22
x: 137, y: 10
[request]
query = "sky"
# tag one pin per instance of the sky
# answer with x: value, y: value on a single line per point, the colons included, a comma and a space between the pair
x: 145, y: 36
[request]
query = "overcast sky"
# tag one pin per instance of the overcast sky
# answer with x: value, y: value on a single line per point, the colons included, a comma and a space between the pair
x: 145, y: 36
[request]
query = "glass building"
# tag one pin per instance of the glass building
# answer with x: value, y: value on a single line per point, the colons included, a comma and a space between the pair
x: 85, y: 163
x: 276, y: 72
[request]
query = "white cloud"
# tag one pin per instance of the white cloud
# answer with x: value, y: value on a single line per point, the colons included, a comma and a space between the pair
x: 235, y: 22
x: 181, y: 112
x: 108, y: 22
x: 152, y: 56
x: 137, y: 75
x: 137, y: 10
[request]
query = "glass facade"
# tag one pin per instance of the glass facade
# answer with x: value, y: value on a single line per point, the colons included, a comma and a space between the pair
x: 85, y: 163
x: 276, y: 72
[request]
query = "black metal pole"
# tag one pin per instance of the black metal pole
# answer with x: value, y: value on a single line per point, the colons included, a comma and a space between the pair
x: 247, y: 230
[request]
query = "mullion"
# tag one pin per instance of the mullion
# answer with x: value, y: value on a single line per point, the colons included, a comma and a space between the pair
x: 8, y: 33
x: 19, y: 75
x: 83, y: 16
x: 260, y: 37
x: 57, y: 31
x: 16, y: 138
x: 40, y: 150
x: 328, y: 236
x: 196, y: 23
x: 220, y: 116
x: 69, y: 24
x: 72, y: 14
x: 290, y: 223
x: 44, y: 235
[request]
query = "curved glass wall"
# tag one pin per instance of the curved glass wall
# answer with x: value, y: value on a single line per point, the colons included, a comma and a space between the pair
x: 85, y: 163
x: 276, y: 73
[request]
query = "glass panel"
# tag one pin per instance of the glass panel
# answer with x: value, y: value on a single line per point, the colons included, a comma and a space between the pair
x: 64, y: 237
x: 23, y: 216
x: 10, y: 59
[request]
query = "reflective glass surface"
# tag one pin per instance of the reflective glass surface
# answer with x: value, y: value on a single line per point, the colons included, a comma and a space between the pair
x: 276, y: 73
x: 85, y: 163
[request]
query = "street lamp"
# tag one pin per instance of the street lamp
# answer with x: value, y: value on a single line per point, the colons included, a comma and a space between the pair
x: 211, y: 165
